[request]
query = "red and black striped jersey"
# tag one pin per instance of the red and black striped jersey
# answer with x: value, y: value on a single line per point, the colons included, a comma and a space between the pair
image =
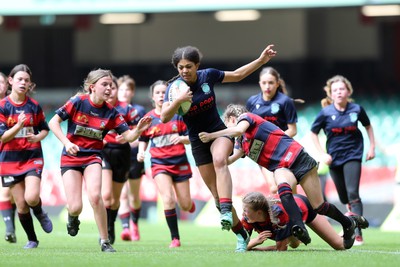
x: 266, y: 144
x: 18, y: 156
x: 88, y: 124
x: 162, y: 150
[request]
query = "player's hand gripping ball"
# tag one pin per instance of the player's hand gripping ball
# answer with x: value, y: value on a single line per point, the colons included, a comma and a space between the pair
x: 174, y: 91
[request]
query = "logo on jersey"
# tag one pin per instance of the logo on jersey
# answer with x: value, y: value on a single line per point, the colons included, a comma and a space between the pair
x: 11, y: 122
x: 257, y: 106
x: 275, y: 108
x: 134, y: 113
x: 155, y: 130
x: 255, y: 149
x: 353, y: 117
x: 102, y: 125
x: 83, y: 118
x: 89, y: 132
x: 22, y: 133
x: 94, y: 114
x: 333, y: 117
x: 174, y: 128
x: 288, y: 156
x: 206, y: 88
x: 163, y: 140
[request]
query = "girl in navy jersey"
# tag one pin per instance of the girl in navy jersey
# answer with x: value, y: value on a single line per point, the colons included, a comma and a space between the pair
x: 90, y: 118
x: 273, y: 104
x: 345, y: 146
x: 211, y: 159
x: 270, y: 147
x: 169, y: 164
x: 7, y: 205
x: 22, y: 127
x: 116, y: 160
x: 268, y: 218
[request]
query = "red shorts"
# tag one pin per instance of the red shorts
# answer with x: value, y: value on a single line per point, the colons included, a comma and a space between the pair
x: 179, y: 173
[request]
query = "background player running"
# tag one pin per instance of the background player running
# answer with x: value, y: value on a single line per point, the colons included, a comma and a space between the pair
x: 22, y: 128
x: 169, y: 164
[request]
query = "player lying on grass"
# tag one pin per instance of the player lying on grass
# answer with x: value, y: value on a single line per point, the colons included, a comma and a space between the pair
x: 267, y: 217
x: 270, y: 147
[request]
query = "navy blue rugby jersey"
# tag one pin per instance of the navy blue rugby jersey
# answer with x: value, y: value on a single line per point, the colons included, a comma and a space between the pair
x: 203, y: 115
x: 280, y: 110
x: 344, y: 138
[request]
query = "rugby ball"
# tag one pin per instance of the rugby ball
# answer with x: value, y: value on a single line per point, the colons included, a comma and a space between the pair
x: 174, y: 91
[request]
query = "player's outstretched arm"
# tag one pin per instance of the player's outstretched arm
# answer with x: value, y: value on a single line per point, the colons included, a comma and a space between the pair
x: 245, y: 70
x: 132, y: 135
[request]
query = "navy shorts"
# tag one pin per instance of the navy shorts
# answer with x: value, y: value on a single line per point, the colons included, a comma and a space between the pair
x: 303, y: 164
x: 201, y: 151
x: 137, y: 168
x: 10, y: 180
x: 117, y: 159
x: 80, y: 169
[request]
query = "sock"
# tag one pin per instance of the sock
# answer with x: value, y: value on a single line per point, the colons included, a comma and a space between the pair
x: 356, y: 206
x: 7, y: 212
x: 113, y: 217
x: 27, y: 224
x: 332, y: 211
x: 172, y: 221
x: 193, y: 208
x: 14, y: 208
x: 226, y: 205
x: 239, y: 229
x: 124, y: 220
x: 135, y: 215
x: 288, y: 202
x: 37, y: 210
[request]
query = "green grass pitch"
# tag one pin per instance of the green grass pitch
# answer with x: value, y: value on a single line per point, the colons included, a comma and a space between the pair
x: 201, y: 246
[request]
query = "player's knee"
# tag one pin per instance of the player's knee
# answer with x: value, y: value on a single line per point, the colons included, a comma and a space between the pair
x: 219, y: 162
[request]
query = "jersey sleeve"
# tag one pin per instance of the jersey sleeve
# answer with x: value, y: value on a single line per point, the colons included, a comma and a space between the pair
x: 3, y: 123
x: 364, y: 119
x: 120, y: 124
x: 42, y: 123
x: 319, y: 123
x: 215, y: 76
x: 66, y: 110
x: 290, y: 111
